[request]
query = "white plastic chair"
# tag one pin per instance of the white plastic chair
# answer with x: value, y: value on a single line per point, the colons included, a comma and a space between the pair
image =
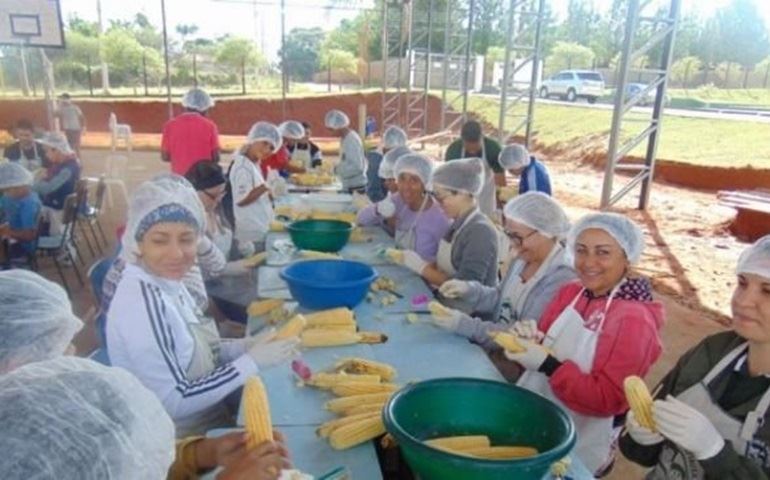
x: 113, y: 177
x: 119, y: 131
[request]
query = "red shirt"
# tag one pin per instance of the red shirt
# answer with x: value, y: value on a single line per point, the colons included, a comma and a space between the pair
x: 189, y: 138
x: 277, y: 161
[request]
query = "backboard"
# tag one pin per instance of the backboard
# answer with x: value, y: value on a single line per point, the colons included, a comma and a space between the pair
x: 35, y: 23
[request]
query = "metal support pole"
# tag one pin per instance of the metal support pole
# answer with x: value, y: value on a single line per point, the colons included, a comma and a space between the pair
x: 90, y: 80
x: 165, y: 60
x: 468, y: 49
x: 509, y: 35
x: 445, y: 66
x: 535, y: 73
x: 284, y: 67
x: 144, y: 73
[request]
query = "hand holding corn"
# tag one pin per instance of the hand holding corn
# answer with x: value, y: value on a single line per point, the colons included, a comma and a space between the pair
x: 532, y: 357
x: 273, y: 353
x: 444, y: 317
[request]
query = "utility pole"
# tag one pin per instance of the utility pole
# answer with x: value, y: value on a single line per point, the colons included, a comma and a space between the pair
x: 165, y: 59
x: 105, y: 69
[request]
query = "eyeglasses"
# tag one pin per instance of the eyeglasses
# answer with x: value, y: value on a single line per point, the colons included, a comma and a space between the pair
x: 517, y: 239
x: 441, y: 198
x: 215, y: 196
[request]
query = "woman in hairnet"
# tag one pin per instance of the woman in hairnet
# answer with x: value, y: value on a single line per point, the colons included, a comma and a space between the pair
x: 154, y: 328
x: 351, y: 168
x: 414, y: 219
x: 468, y: 251
x: 60, y: 179
x: 300, y: 160
x: 393, y: 137
x: 533, y: 176
x: 36, y: 320
x: 711, y: 410
x: 536, y: 226
x: 594, y: 334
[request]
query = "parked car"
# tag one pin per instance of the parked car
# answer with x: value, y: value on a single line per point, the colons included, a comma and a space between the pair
x: 573, y: 84
x: 633, y: 89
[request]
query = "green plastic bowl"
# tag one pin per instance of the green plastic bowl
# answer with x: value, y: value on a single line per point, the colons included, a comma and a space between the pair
x: 320, y: 235
x: 507, y: 414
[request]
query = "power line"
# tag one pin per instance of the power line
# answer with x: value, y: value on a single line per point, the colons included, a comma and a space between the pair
x: 328, y: 6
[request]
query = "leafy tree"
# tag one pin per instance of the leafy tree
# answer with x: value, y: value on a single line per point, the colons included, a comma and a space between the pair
x: 489, y: 25
x: 123, y: 52
x: 233, y: 52
x: 302, y: 52
x: 338, y: 60
x: 684, y: 68
x: 744, y: 37
x: 567, y: 55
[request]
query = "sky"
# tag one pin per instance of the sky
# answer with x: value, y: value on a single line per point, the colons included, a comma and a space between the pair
x: 218, y: 17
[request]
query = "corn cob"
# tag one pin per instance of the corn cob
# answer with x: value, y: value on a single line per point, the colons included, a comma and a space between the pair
x: 319, y: 337
x: 438, y: 310
x: 502, y: 452
x: 292, y: 328
x: 284, y: 211
x: 358, y: 236
x: 349, y: 328
x: 343, y: 403
x: 460, y: 442
x: 359, y: 409
x: 346, y: 389
x: 276, y: 226
x: 256, y: 412
x: 277, y: 315
x: 313, y: 254
x: 328, y: 380
x: 372, y: 337
x: 262, y: 307
x: 364, y: 365
x: 255, y: 260
x: 395, y: 255
x: 508, y: 341
x: 354, y: 433
x: 559, y: 469
x: 640, y: 401
x: 334, y: 316
x: 327, y: 428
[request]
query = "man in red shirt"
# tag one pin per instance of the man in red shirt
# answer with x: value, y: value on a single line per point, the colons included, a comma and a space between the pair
x: 190, y: 137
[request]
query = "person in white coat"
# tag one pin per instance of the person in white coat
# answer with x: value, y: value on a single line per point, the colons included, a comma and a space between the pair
x: 351, y: 168
x: 154, y: 328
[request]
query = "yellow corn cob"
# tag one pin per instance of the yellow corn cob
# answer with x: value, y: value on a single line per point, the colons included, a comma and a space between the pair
x: 501, y: 452
x: 312, y: 254
x: 372, y: 337
x: 276, y: 226
x: 508, y: 341
x: 358, y: 236
x: 437, y: 309
x: 350, y: 328
x: 284, y: 211
x: 359, y: 409
x: 277, y: 315
x: 321, y: 337
x: 327, y: 428
x: 262, y: 307
x: 255, y: 260
x: 256, y: 412
x: 507, y: 193
x: 334, y: 316
x: 364, y: 365
x: 395, y: 255
x: 559, y: 469
x: 321, y: 215
x: 640, y: 401
x: 328, y: 380
x: 354, y: 433
x: 292, y: 328
x: 346, y: 389
x: 349, y: 217
x: 460, y: 442
x: 343, y: 403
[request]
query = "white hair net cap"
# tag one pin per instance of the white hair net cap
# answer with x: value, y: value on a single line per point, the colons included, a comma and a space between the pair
x: 57, y: 141
x: 336, y: 120
x: 14, y: 175
x: 540, y: 212
x: 36, y: 319
x: 387, y: 169
x: 514, y: 157
x: 627, y: 233
x: 197, y: 99
x: 415, y: 164
x: 74, y: 418
x: 756, y: 258
x: 393, y: 137
x: 462, y: 175
x: 264, y: 132
x: 164, y: 191
x: 292, y: 129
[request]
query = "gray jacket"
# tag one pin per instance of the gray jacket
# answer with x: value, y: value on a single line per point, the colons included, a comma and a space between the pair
x: 489, y: 300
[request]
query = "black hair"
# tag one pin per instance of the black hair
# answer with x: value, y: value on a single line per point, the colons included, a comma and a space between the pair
x: 25, y: 124
x: 205, y: 174
x: 306, y: 125
x: 471, y: 131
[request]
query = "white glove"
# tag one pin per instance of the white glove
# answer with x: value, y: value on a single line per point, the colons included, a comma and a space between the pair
x: 454, y: 288
x: 527, y: 330
x: 414, y: 262
x: 238, y: 267
x: 385, y: 208
x: 246, y: 249
x: 272, y: 353
x: 449, y: 320
x: 532, y: 358
x: 204, y: 244
x: 687, y: 427
x: 640, y: 434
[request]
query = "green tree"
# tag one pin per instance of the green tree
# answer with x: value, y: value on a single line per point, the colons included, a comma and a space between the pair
x: 489, y: 25
x: 582, y: 22
x: 234, y: 52
x: 338, y: 60
x: 123, y: 52
x: 302, y: 52
x: 743, y: 35
x: 72, y: 63
x: 568, y: 55
x: 684, y: 68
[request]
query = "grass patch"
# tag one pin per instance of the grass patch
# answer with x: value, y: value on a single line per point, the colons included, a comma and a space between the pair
x: 755, y: 97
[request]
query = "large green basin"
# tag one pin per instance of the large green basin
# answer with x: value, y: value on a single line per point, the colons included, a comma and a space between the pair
x: 320, y: 235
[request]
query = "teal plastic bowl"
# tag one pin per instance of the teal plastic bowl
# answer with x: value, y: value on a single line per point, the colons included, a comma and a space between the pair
x: 507, y: 414
x: 320, y: 235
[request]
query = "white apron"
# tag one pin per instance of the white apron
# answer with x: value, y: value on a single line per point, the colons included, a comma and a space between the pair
x: 302, y: 157
x: 680, y: 464
x: 571, y: 340
x: 31, y: 164
x: 222, y: 238
x: 444, y: 255
x: 487, y: 197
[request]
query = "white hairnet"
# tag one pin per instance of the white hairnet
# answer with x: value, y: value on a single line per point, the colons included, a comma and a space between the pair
x: 756, y: 258
x: 72, y: 418
x: 387, y: 167
x: 539, y: 211
x: 264, y: 132
x: 197, y: 99
x: 57, y: 141
x: 36, y: 319
x: 14, y: 175
x: 165, y: 198
x: 462, y: 175
x: 416, y: 164
x: 627, y: 233
x: 393, y: 137
x: 514, y: 157
x: 292, y: 129
x: 336, y: 120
